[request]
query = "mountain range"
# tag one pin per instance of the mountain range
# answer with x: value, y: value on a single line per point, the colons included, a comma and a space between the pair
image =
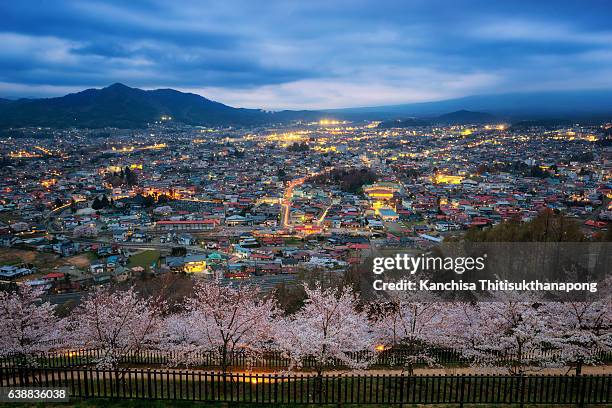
x: 124, y: 107
x: 585, y: 104
x: 453, y: 118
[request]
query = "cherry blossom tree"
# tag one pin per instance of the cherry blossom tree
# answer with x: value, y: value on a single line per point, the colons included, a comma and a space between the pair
x: 328, y: 330
x: 85, y: 231
x: 580, y: 330
x: 412, y: 326
x: 222, y: 319
x: 29, y: 325
x: 117, y: 324
x: 510, y: 329
x: 461, y: 331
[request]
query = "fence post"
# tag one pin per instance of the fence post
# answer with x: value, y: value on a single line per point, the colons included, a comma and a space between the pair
x: 582, y: 390
x: 275, y: 388
x: 522, y: 386
x: 401, y: 390
x: 86, y: 383
x: 461, y: 391
x: 23, y: 382
x: 149, y: 392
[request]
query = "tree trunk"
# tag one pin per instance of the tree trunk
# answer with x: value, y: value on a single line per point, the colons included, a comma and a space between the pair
x: 224, y: 359
x: 318, y: 385
x: 24, y: 374
x: 119, y: 380
x: 579, y: 367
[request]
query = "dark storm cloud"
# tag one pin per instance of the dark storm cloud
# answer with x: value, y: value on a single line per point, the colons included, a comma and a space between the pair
x: 306, y: 54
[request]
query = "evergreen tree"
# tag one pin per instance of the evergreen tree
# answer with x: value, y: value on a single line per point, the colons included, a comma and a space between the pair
x: 97, y: 204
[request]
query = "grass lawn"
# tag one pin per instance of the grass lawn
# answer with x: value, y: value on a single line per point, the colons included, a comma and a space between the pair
x: 395, y: 228
x: 144, y: 258
x: 293, y: 241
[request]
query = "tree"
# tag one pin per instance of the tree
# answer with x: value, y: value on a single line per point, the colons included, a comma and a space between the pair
x: 117, y: 324
x: 584, y: 157
x: 412, y: 326
x: 298, y: 147
x: 178, y: 251
x: 546, y: 227
x: 162, y: 199
x: 131, y: 179
x: 461, y: 332
x: 328, y: 329
x: 580, y: 330
x: 97, y: 204
x: 222, y: 319
x: 146, y: 201
x: 29, y: 325
x: 510, y: 330
x: 349, y: 179
x: 87, y: 231
x: 289, y: 297
x: 536, y: 171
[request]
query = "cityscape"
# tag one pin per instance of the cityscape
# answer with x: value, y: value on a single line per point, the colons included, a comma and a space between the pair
x: 259, y: 205
x: 305, y: 204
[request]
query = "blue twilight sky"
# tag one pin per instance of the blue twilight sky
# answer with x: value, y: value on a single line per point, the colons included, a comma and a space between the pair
x: 306, y: 54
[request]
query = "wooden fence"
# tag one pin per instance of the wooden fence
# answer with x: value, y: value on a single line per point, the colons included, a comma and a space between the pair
x: 307, y: 389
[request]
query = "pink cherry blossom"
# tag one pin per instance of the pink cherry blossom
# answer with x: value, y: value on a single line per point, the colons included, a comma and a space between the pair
x: 117, y: 323
x: 327, y: 330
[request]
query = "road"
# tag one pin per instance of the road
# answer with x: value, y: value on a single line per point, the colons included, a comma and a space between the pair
x: 322, y: 217
x: 48, y: 219
x: 286, y: 208
x: 60, y: 298
x: 144, y: 245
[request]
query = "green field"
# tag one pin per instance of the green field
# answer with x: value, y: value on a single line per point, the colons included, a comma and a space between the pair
x: 144, y: 258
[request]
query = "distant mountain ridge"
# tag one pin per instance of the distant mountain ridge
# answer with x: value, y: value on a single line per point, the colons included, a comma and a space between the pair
x: 403, y: 123
x: 509, y: 106
x: 464, y: 116
x: 461, y: 117
x: 121, y: 106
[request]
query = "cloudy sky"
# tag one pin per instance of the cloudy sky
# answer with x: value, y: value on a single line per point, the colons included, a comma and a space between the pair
x: 306, y: 54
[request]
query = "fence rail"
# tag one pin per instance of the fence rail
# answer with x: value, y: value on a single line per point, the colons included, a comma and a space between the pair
x: 273, y: 360
x: 304, y: 389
